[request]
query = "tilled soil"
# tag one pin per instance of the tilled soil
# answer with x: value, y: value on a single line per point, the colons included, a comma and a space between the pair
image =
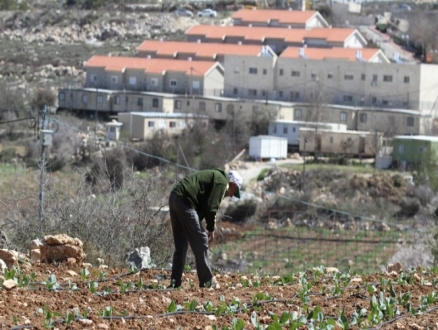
x: 120, y: 299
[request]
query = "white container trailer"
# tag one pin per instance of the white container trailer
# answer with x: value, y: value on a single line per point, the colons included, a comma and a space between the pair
x: 266, y: 146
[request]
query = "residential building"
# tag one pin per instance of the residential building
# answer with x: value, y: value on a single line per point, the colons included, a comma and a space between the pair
x: 277, y: 39
x: 388, y: 121
x: 359, y: 143
x: 102, y: 100
x: 411, y: 149
x: 290, y: 129
x: 372, y: 55
x: 144, y: 125
x: 89, y: 100
x: 356, y: 84
x: 199, y: 51
x: 154, y: 75
x: 279, y: 18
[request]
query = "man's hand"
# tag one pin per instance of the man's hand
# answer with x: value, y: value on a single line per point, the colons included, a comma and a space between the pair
x: 210, y: 236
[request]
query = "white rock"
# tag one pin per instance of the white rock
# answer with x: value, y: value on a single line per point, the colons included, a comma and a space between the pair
x: 9, y: 284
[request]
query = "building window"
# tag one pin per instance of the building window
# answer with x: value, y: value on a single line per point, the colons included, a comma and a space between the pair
x: 188, y: 103
x: 218, y: 107
x: 313, y: 75
x: 401, y: 149
x: 406, y: 79
x: 363, y: 77
x: 177, y: 104
x: 252, y: 70
x: 252, y: 92
x: 331, y: 139
x: 280, y: 93
x: 410, y: 121
x: 373, y: 100
x: 133, y: 80
x: 62, y: 96
x: 173, y: 83
x: 201, y: 106
x: 387, y: 78
x: 140, y: 101
x: 348, y: 77
x: 230, y: 109
x: 274, y: 129
x: 264, y: 93
x: 385, y: 102
x: 294, y: 95
x: 284, y: 130
x: 155, y: 103
x: 114, y: 79
x: 298, y: 113
x: 265, y: 71
x: 117, y: 99
x: 363, y: 117
x: 112, y: 129
x: 295, y: 73
x: 99, y: 99
x: 84, y: 98
x: 343, y: 117
x: 196, y: 84
x: 281, y: 72
x: 151, y: 124
x: 172, y: 124
x: 93, y: 78
x: 329, y: 75
x: 348, y: 98
x: 235, y: 91
x: 154, y: 81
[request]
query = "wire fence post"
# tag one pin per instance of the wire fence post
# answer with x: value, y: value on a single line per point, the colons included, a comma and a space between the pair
x: 42, y: 167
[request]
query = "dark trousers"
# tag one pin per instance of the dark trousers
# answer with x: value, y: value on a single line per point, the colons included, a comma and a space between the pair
x: 186, y: 229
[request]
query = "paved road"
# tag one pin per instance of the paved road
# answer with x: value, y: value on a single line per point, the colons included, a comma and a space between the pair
x: 386, y: 44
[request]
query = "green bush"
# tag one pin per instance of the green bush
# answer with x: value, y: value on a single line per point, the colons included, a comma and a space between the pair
x: 7, y: 155
x: 240, y: 212
x: 262, y: 174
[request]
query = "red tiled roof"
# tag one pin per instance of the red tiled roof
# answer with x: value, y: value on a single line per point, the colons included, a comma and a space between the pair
x: 283, y: 16
x: 209, y: 50
x: 330, y: 53
x: 151, y: 65
x: 261, y: 33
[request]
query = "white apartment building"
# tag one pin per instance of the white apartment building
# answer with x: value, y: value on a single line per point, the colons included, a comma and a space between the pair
x: 351, y: 83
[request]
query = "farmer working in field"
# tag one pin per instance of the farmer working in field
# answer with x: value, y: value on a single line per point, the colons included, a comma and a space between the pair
x: 194, y: 198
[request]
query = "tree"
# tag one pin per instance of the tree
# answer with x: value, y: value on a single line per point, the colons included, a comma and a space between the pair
x: 426, y: 169
x: 43, y: 97
x: 422, y: 31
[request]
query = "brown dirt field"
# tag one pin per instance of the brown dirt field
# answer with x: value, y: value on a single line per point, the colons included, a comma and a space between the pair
x: 143, y: 307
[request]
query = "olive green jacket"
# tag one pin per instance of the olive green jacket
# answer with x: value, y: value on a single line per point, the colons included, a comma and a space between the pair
x: 204, y: 191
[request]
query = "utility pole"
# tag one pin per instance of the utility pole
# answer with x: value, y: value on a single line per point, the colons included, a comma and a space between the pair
x: 95, y: 114
x: 43, y: 167
x: 191, y: 81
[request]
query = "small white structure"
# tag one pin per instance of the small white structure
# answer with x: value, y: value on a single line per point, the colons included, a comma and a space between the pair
x: 265, y: 146
x: 113, y: 130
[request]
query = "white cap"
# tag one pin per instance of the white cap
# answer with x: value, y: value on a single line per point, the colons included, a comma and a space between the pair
x: 237, y: 179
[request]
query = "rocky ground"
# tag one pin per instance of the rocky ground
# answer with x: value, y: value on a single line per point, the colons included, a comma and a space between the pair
x: 47, y: 47
x: 67, y: 296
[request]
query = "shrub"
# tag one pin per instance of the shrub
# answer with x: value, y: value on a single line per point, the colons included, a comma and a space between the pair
x: 109, y: 224
x: 262, y: 174
x: 241, y: 211
x: 7, y: 155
